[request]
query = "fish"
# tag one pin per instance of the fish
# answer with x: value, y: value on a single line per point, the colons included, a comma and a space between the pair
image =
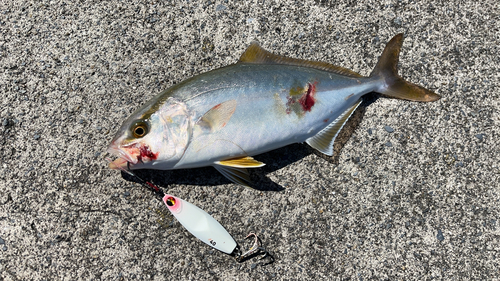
x: 224, y: 117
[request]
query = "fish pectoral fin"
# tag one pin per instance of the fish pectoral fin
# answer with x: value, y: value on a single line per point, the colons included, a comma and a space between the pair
x: 236, y: 175
x: 241, y: 162
x: 217, y: 117
x: 255, y: 54
x: 323, y: 141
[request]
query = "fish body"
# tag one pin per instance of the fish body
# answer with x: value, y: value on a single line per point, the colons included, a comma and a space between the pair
x: 223, y: 117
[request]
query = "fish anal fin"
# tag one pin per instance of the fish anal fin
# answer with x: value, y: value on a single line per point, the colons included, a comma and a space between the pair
x: 236, y: 175
x: 217, y: 117
x: 323, y: 141
x: 241, y: 162
x: 255, y: 54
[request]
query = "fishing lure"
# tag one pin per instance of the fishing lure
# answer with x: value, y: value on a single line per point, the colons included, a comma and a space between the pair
x: 203, y: 226
x: 200, y: 224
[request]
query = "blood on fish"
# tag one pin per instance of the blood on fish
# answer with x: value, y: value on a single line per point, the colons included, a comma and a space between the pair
x: 145, y: 152
x: 300, y: 103
x: 307, y: 100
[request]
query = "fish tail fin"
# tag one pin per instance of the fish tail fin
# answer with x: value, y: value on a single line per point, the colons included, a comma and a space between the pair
x: 394, y: 86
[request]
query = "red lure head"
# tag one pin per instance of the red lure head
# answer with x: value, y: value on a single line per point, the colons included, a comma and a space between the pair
x: 173, y: 203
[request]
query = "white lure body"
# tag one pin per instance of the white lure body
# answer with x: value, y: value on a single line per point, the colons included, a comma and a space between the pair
x: 200, y: 224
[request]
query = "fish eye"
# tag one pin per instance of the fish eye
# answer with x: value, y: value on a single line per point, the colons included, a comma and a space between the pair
x: 139, y: 130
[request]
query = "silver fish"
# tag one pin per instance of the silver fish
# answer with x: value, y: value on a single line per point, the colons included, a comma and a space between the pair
x: 265, y: 101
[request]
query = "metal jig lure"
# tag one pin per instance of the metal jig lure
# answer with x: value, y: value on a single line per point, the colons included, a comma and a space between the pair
x: 203, y: 226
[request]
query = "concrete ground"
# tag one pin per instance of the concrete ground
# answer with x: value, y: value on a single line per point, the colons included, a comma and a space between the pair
x: 413, y: 193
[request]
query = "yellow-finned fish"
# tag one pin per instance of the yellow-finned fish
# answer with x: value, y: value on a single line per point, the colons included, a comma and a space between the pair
x: 265, y: 101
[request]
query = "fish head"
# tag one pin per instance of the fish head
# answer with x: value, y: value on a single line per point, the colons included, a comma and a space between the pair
x: 154, y: 134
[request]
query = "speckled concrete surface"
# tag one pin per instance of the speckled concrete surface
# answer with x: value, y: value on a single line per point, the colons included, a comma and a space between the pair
x: 418, y: 203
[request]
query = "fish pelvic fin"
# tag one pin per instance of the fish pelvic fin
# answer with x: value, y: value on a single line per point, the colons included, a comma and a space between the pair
x: 235, y: 169
x: 236, y: 175
x: 394, y: 86
x: 241, y: 162
x: 323, y: 141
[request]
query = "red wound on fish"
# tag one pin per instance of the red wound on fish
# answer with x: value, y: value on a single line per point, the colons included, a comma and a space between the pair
x: 301, y: 100
x: 145, y: 152
x: 307, y: 100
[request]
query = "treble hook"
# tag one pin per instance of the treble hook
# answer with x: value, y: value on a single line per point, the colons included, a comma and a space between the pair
x: 256, y: 249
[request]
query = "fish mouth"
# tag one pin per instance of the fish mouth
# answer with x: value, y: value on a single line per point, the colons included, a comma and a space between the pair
x: 119, y: 164
x: 130, y: 155
x: 124, y: 160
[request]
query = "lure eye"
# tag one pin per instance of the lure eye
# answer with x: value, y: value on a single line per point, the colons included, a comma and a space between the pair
x: 139, y: 130
x: 171, y: 201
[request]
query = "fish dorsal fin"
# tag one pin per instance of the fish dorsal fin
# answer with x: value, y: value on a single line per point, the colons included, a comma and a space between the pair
x: 217, y: 117
x: 241, y: 162
x: 235, y: 169
x: 257, y: 55
x: 323, y: 141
